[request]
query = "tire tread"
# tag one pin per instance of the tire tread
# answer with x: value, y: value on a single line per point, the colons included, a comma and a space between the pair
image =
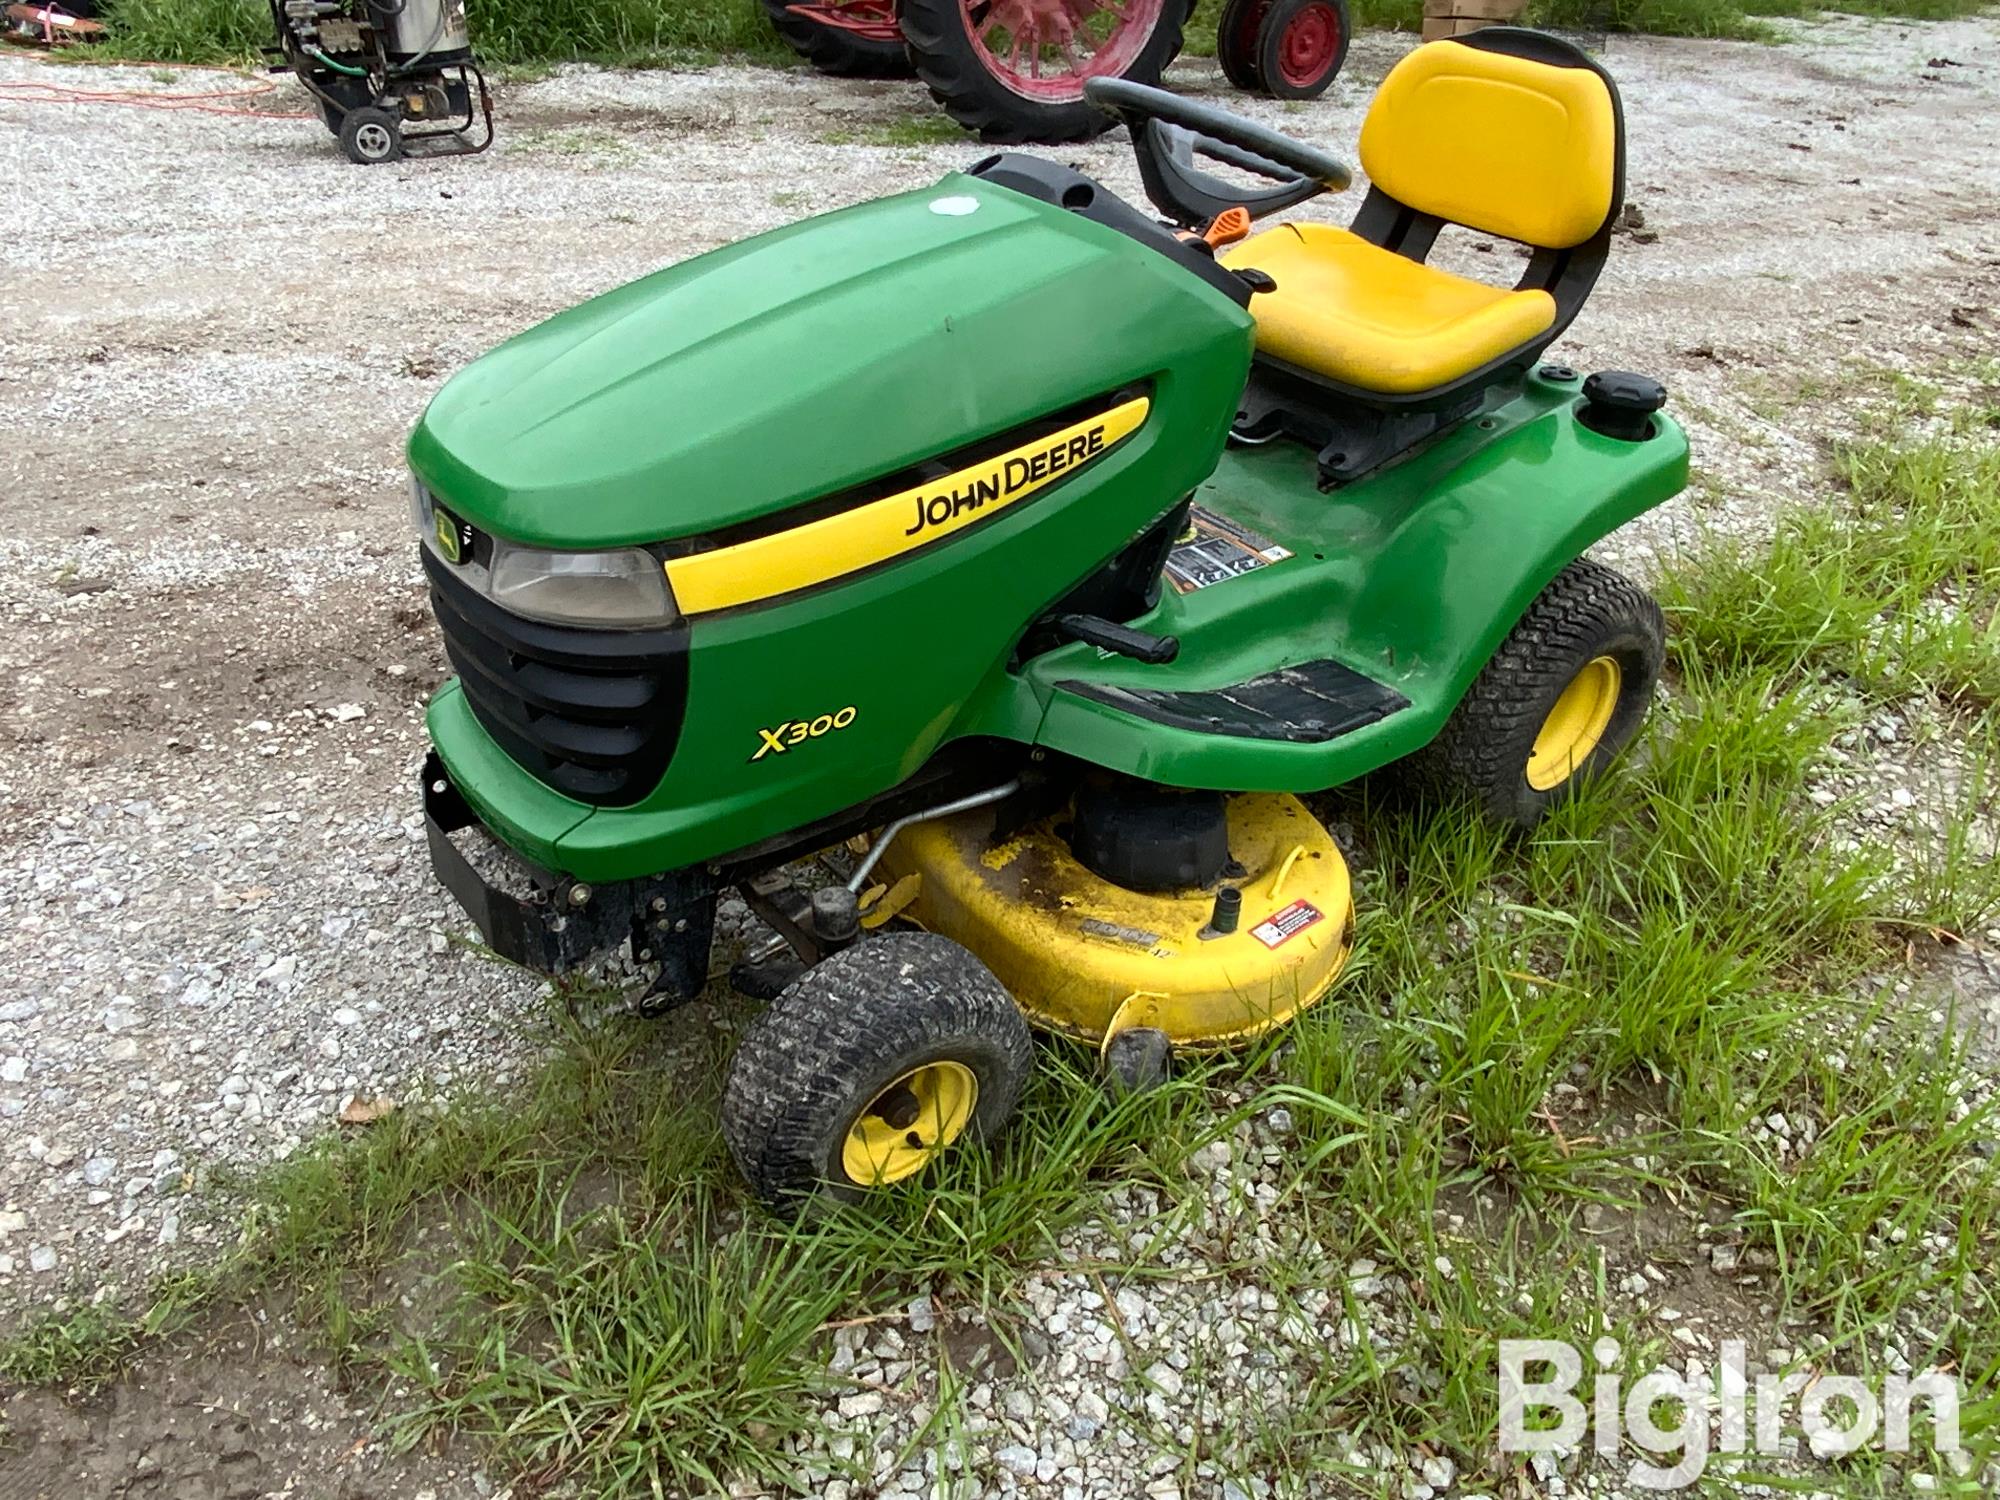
x: 1480, y: 754
x: 848, y: 1027
x: 836, y: 53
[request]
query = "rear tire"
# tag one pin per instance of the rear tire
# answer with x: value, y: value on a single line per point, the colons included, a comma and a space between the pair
x: 1497, y: 749
x: 954, y: 68
x: 836, y: 52
x: 822, y: 1080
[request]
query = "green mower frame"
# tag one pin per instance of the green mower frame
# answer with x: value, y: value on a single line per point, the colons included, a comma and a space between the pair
x: 939, y: 513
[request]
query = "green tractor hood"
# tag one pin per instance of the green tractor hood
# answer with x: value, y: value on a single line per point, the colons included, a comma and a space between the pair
x: 802, y: 362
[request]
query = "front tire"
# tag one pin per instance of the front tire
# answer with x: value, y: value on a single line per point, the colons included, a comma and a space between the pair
x: 1566, y: 691
x: 870, y: 1067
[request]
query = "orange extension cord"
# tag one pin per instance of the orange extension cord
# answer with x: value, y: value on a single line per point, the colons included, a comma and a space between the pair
x: 210, y: 103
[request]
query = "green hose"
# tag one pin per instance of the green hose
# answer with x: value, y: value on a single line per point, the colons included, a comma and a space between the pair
x: 324, y: 61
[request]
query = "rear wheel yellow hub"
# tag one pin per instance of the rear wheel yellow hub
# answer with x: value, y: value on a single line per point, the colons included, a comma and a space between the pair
x: 903, y: 1128
x: 1576, y: 724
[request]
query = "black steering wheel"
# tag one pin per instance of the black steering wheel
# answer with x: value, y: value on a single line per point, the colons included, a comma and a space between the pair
x: 1169, y: 131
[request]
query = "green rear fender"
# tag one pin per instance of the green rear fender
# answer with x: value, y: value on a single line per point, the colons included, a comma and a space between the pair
x: 1413, y: 577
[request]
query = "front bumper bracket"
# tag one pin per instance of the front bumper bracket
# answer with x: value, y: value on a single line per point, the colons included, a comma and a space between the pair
x: 563, y: 924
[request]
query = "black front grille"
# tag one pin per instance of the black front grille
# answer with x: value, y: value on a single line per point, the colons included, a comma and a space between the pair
x: 594, y: 713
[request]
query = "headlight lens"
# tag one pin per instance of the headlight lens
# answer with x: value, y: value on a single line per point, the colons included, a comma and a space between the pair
x: 625, y: 587
x: 620, y: 587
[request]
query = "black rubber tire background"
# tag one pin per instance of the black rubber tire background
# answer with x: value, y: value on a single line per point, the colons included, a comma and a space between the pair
x: 838, y: 53
x: 1587, y: 611
x: 1236, y: 43
x: 847, y: 1029
x: 949, y: 65
x: 1271, y: 26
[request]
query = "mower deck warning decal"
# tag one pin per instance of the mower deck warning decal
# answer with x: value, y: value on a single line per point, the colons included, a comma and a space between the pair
x: 1282, y: 926
x: 1215, y: 549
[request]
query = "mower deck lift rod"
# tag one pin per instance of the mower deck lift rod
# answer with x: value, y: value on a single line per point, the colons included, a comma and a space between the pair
x: 987, y: 798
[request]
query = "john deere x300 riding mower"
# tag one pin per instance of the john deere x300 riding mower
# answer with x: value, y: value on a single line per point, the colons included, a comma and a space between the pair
x: 1033, y: 555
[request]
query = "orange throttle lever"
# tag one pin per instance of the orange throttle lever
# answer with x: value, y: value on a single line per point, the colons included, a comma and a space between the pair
x: 1227, y: 227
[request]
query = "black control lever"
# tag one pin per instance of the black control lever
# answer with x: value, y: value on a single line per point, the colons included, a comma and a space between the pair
x: 1122, y: 640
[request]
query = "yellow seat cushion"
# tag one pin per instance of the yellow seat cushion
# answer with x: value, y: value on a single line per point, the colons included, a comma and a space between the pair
x: 1503, y: 144
x: 1372, y: 319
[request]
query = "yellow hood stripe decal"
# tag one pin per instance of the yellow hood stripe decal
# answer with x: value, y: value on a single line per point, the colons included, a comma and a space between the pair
x: 833, y: 546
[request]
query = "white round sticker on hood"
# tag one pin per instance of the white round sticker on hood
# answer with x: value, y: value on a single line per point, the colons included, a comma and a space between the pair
x: 957, y: 206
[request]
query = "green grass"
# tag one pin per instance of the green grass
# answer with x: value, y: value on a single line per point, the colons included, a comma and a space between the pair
x: 87, y: 1346
x: 911, y: 130
x: 186, y: 31
x: 680, y: 33
x: 638, y: 33
x: 1541, y: 1042
x: 584, y: 144
x: 1746, y: 20
x: 1890, y: 594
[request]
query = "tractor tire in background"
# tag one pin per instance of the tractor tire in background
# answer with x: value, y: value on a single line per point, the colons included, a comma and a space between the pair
x: 1236, y: 43
x: 1014, y: 70
x: 869, y: 45
x: 1300, y: 47
x: 1566, y: 691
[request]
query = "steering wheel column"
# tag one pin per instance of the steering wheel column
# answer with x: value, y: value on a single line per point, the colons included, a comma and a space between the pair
x: 1169, y: 132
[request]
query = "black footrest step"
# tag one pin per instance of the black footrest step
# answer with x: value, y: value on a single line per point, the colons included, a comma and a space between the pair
x: 1308, y: 704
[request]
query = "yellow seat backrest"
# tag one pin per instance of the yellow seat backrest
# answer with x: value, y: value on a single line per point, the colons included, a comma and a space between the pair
x: 1521, y: 149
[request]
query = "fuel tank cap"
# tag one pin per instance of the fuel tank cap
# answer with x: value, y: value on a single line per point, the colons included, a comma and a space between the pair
x: 1620, y: 404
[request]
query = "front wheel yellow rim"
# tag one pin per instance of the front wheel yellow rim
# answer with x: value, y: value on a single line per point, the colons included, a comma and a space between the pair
x: 1576, y: 724
x: 903, y: 1128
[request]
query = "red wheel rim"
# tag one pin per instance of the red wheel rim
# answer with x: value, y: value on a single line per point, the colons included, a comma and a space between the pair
x: 1310, y: 44
x: 1045, y: 49
x: 873, y: 20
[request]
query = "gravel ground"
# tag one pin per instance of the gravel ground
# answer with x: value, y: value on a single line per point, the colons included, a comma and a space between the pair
x: 216, y: 917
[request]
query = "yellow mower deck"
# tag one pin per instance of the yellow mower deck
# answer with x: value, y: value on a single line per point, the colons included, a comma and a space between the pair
x: 1088, y: 958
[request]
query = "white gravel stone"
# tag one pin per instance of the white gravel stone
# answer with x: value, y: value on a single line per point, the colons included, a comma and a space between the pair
x: 1016, y: 1459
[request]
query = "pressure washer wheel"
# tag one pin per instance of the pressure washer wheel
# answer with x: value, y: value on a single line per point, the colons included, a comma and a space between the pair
x: 845, y: 38
x: 1561, y: 697
x: 1300, y: 47
x: 1014, y: 70
x: 872, y: 1065
x: 370, y: 136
